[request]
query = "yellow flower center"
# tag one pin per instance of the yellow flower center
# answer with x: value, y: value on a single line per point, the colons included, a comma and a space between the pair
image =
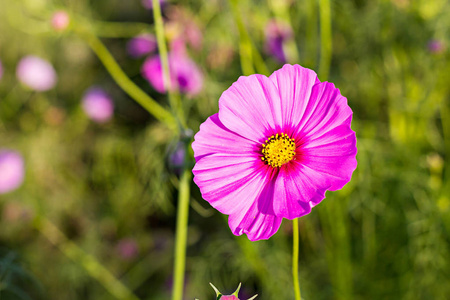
x: 278, y: 150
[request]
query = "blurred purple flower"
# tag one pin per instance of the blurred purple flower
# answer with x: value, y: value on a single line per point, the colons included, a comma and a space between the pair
x: 185, y: 75
x: 98, y: 105
x: 36, y: 73
x: 436, y: 46
x: 60, y: 20
x: 127, y: 248
x: 148, y: 4
x: 177, y: 156
x: 12, y: 170
x: 276, y: 34
x: 141, y: 45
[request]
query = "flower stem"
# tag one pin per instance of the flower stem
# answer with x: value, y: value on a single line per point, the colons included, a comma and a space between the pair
x: 325, y: 39
x: 126, y: 84
x: 295, y: 260
x: 87, y: 261
x: 174, y: 97
x: 181, y: 234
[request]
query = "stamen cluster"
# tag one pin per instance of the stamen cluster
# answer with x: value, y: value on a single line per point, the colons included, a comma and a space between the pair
x: 278, y: 150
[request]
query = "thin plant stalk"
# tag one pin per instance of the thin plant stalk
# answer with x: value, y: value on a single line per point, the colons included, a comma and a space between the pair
x: 181, y: 235
x: 295, y: 250
x: 96, y: 270
x: 174, y: 97
x: 126, y: 84
x: 249, y: 55
x: 325, y: 39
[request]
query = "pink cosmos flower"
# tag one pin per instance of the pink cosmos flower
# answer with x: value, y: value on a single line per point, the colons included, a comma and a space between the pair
x: 141, y: 45
x: 12, y: 170
x: 60, y: 20
x: 36, y: 73
x: 273, y: 149
x: 185, y: 75
x: 98, y: 105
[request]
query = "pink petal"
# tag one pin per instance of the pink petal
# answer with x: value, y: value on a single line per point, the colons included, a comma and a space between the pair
x: 152, y: 71
x: 251, y: 107
x: 294, y: 85
x: 213, y: 137
x: 326, y: 109
x: 225, y: 162
x: 295, y: 190
x: 332, y: 154
x: 254, y: 223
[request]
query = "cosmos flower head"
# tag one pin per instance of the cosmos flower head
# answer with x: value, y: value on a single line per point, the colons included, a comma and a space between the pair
x: 276, y: 34
x: 98, y: 105
x: 60, y: 20
x: 274, y: 148
x: 233, y: 296
x: 185, y: 74
x: 12, y: 170
x: 141, y: 45
x: 36, y: 73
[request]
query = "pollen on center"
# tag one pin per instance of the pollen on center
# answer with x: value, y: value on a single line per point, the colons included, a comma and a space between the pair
x: 278, y: 150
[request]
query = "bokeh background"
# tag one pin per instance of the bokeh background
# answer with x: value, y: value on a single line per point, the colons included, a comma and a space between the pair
x: 98, y: 201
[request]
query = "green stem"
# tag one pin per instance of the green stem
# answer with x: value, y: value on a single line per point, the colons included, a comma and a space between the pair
x: 126, y: 84
x: 87, y: 261
x: 249, y: 55
x: 174, y: 98
x: 181, y: 235
x: 295, y: 260
x: 325, y: 39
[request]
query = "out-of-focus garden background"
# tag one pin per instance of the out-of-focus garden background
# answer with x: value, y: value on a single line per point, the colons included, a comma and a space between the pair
x: 97, y: 206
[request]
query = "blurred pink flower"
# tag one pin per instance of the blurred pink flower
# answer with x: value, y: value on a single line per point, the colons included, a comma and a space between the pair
x: 142, y: 45
x: 60, y: 20
x: 185, y: 74
x: 276, y: 34
x: 36, y: 73
x: 182, y: 29
x: 436, y: 46
x: 274, y: 148
x: 127, y: 248
x: 148, y: 4
x: 12, y: 170
x: 1, y: 69
x: 98, y: 105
